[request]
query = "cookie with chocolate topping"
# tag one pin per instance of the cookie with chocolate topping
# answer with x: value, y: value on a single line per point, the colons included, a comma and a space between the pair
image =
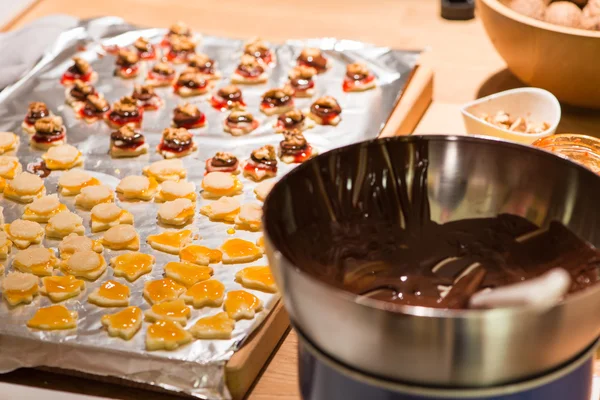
x: 301, y: 81
x: 294, y: 148
x: 239, y: 123
x: 191, y: 83
x: 188, y: 116
x: 204, y: 65
x: 146, y: 97
x: 293, y: 119
x: 94, y: 108
x: 358, y: 78
x: 49, y: 132
x: 249, y: 71
x: 258, y: 48
x: 313, y: 57
x: 78, y: 93
x: 35, y: 111
x: 182, y: 47
x: 223, y: 162
x: 80, y: 69
x: 127, y: 64
x: 277, y: 101
x: 325, y: 111
x: 161, y: 74
x: 125, y: 111
x: 262, y: 163
x: 127, y: 142
x: 228, y: 98
x: 176, y: 143
x: 145, y: 49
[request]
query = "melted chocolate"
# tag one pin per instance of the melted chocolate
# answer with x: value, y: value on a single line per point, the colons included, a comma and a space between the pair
x: 128, y: 140
x: 263, y: 161
x: 319, y: 62
x: 33, y: 116
x: 180, y: 118
x: 142, y: 95
x: 276, y: 98
x: 412, y: 263
x: 233, y: 96
x: 324, y: 110
x: 219, y: 162
x: 301, y: 83
x: 240, y: 118
x: 40, y: 169
x: 289, y: 121
x: 290, y: 149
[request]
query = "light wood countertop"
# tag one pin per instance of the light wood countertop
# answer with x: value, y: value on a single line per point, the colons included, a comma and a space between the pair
x: 465, y: 63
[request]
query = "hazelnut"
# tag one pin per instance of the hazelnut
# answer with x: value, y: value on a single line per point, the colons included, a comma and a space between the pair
x: 264, y: 153
x: 180, y: 28
x: 126, y: 104
x: 531, y: 8
x: 188, y: 109
x: 163, y: 68
x: 224, y: 156
x: 302, y: 72
x: 564, y: 13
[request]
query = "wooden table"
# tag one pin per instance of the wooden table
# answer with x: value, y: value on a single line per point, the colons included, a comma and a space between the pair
x: 465, y: 63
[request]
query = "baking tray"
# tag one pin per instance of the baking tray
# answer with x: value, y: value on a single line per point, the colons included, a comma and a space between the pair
x: 196, y: 369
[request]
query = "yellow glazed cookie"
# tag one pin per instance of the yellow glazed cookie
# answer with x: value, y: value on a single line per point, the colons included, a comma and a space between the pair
x: 225, y: 209
x: 42, y: 209
x: 63, y: 224
x: 132, y: 265
x: 125, y: 323
x: 166, y: 170
x: 171, y: 190
x: 5, y: 245
x: 200, y: 255
x: 53, y: 318
x: 63, y: 156
x: 166, y: 335
x: 91, y: 196
x: 219, y: 184
x: 24, y: 188
x: 178, y: 212
x: 121, y: 237
x: 110, y: 294
x: 175, y: 311
x: 207, y: 293
x: 18, y: 287
x: 73, y: 243
x: 263, y: 189
x: 24, y: 233
x: 249, y: 217
x: 218, y: 326
x: 162, y: 290
x: 37, y: 260
x: 10, y: 167
x: 106, y: 215
x: 60, y: 288
x: 186, y: 273
x: 8, y: 142
x: 170, y: 241
x: 240, y: 304
x: 239, y: 251
x: 258, y: 278
x: 84, y: 264
x: 137, y: 188
x: 71, y: 182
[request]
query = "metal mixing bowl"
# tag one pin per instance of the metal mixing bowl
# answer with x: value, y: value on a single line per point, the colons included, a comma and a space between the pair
x: 467, y: 177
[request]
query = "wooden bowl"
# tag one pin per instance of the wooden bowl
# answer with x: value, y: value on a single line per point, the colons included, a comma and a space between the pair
x: 559, y: 59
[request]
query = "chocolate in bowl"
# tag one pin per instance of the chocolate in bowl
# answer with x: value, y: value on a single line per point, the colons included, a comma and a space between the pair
x: 381, y: 200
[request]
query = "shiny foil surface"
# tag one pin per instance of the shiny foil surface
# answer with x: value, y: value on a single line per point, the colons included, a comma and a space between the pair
x: 197, y: 368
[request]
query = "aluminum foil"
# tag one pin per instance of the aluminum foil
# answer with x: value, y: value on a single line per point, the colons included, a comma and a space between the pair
x: 198, y: 368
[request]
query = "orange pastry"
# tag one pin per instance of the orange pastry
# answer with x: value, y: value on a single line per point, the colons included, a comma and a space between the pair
x: 218, y: 326
x: 84, y: 264
x: 240, y: 304
x: 166, y: 170
x: 225, y: 209
x: 171, y: 190
x: 24, y: 188
x: 43, y: 208
x: 91, y: 196
x: 208, y: 293
x: 260, y: 242
x: 63, y: 224
x: 10, y: 167
x: 8, y: 142
x: 137, y: 188
x: 178, y: 212
x: 249, y: 218
x: 71, y: 182
x: 170, y: 241
x: 121, y: 237
x: 59, y: 288
x: 106, y: 215
x: 263, y: 188
x: 162, y: 290
x: 200, y: 255
x: 110, y: 294
x: 53, y: 318
x: 38, y: 261
x: 18, y: 287
x: 125, y: 323
x: 166, y: 335
x: 186, y: 273
x: 258, y: 278
x: 5, y: 247
x: 132, y: 265
x: 64, y: 156
x: 175, y: 311
x: 240, y: 251
x: 219, y: 184
x: 24, y: 233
